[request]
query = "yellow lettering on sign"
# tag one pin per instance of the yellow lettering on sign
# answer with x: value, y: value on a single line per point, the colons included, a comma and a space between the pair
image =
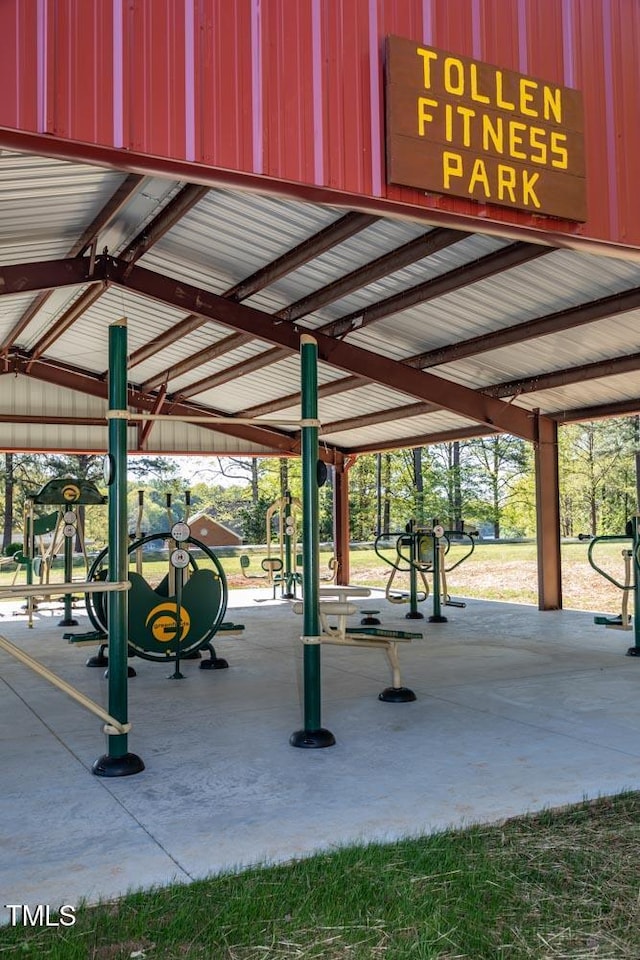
x: 526, y: 97
x: 500, y: 101
x: 552, y: 103
x: 479, y: 175
x: 493, y: 133
x: 516, y: 140
x: 451, y: 167
x: 448, y: 123
x: 528, y: 183
x: 475, y: 93
x: 535, y: 135
x: 506, y: 182
x: 427, y: 57
x: 561, y: 153
x: 424, y: 116
x: 466, y: 113
x: 454, y: 76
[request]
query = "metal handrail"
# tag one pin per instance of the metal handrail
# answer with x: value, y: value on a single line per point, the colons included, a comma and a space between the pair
x: 603, y: 573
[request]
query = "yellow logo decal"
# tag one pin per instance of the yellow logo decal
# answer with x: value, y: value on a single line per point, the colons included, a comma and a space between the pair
x: 164, y: 622
x: 71, y: 492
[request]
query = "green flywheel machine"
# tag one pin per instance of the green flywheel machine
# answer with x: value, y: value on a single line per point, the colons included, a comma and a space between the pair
x: 631, y: 557
x: 174, y: 620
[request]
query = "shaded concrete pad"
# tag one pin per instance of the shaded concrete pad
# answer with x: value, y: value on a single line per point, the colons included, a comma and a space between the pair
x: 516, y: 710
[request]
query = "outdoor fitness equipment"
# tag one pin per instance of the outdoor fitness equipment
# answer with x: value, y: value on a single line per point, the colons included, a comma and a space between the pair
x: 420, y: 551
x: 281, y: 568
x: 631, y: 557
x: 63, y: 524
x: 178, y: 618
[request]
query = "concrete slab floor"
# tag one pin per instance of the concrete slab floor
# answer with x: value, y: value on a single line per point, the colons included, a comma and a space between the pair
x: 516, y: 710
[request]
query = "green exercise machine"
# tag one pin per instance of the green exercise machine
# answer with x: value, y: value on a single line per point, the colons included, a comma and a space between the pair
x: 62, y: 527
x: 631, y: 558
x: 421, y: 551
x: 174, y: 620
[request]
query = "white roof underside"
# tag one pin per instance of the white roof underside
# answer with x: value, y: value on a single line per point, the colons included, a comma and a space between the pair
x: 47, y: 205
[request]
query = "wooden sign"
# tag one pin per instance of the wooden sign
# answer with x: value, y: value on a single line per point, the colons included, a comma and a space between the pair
x: 466, y: 128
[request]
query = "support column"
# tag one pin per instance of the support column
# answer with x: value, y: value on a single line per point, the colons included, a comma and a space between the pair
x: 118, y: 762
x: 548, y: 515
x: 341, y: 537
x: 313, y: 734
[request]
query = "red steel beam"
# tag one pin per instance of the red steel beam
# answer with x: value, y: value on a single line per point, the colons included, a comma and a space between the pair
x: 355, y: 360
x: 188, y: 197
x: 95, y: 385
x: 563, y: 378
x: 108, y: 212
x: 46, y: 275
x: 381, y: 416
x: 424, y: 440
x: 330, y: 236
x: 499, y: 261
x: 539, y: 327
x: 619, y: 408
x: 293, y: 399
x: 416, y: 249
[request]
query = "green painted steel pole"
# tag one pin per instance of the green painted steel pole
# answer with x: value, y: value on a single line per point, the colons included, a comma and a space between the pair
x: 118, y: 762
x: 313, y: 734
x: 635, y: 532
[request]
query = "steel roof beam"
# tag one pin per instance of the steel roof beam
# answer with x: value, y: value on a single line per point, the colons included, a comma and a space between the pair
x: 424, y: 440
x: 330, y: 236
x: 293, y: 399
x: 47, y: 275
x: 499, y: 261
x: 109, y: 211
x: 217, y: 349
x: 416, y: 249
x: 95, y: 385
x: 187, y: 198
x: 488, y: 266
x: 327, y: 238
x: 563, y: 378
x: 355, y: 360
x: 381, y: 416
x: 620, y: 408
x: 530, y: 329
x: 241, y: 369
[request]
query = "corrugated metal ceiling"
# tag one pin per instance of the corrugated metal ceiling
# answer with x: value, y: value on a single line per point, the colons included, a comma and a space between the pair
x: 222, y: 238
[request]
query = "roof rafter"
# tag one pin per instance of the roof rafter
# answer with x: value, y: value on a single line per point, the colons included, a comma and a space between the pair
x: 620, y: 408
x: 562, y: 378
x: 380, y: 416
x: 514, y: 255
x: 109, y: 211
x: 327, y: 238
x: 173, y: 211
x: 425, y: 440
x: 423, y: 386
x: 95, y: 385
x: 48, y: 275
x: 417, y: 249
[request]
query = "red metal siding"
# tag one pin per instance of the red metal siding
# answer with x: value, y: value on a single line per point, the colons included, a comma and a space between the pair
x: 292, y: 90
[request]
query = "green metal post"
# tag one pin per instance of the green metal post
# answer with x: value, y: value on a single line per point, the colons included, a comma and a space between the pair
x: 436, y: 616
x: 635, y: 533
x: 414, y: 540
x: 289, y: 591
x: 313, y: 734
x: 68, y: 620
x: 118, y: 762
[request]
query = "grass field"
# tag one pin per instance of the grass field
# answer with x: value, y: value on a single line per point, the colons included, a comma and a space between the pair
x: 560, y: 885
x: 495, y: 571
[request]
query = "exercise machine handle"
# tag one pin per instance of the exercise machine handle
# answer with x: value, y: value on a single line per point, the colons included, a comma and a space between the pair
x: 603, y: 573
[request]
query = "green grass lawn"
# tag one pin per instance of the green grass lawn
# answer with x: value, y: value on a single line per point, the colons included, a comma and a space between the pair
x: 495, y: 571
x: 560, y: 885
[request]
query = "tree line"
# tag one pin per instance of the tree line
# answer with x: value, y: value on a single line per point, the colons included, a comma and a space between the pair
x: 485, y: 483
